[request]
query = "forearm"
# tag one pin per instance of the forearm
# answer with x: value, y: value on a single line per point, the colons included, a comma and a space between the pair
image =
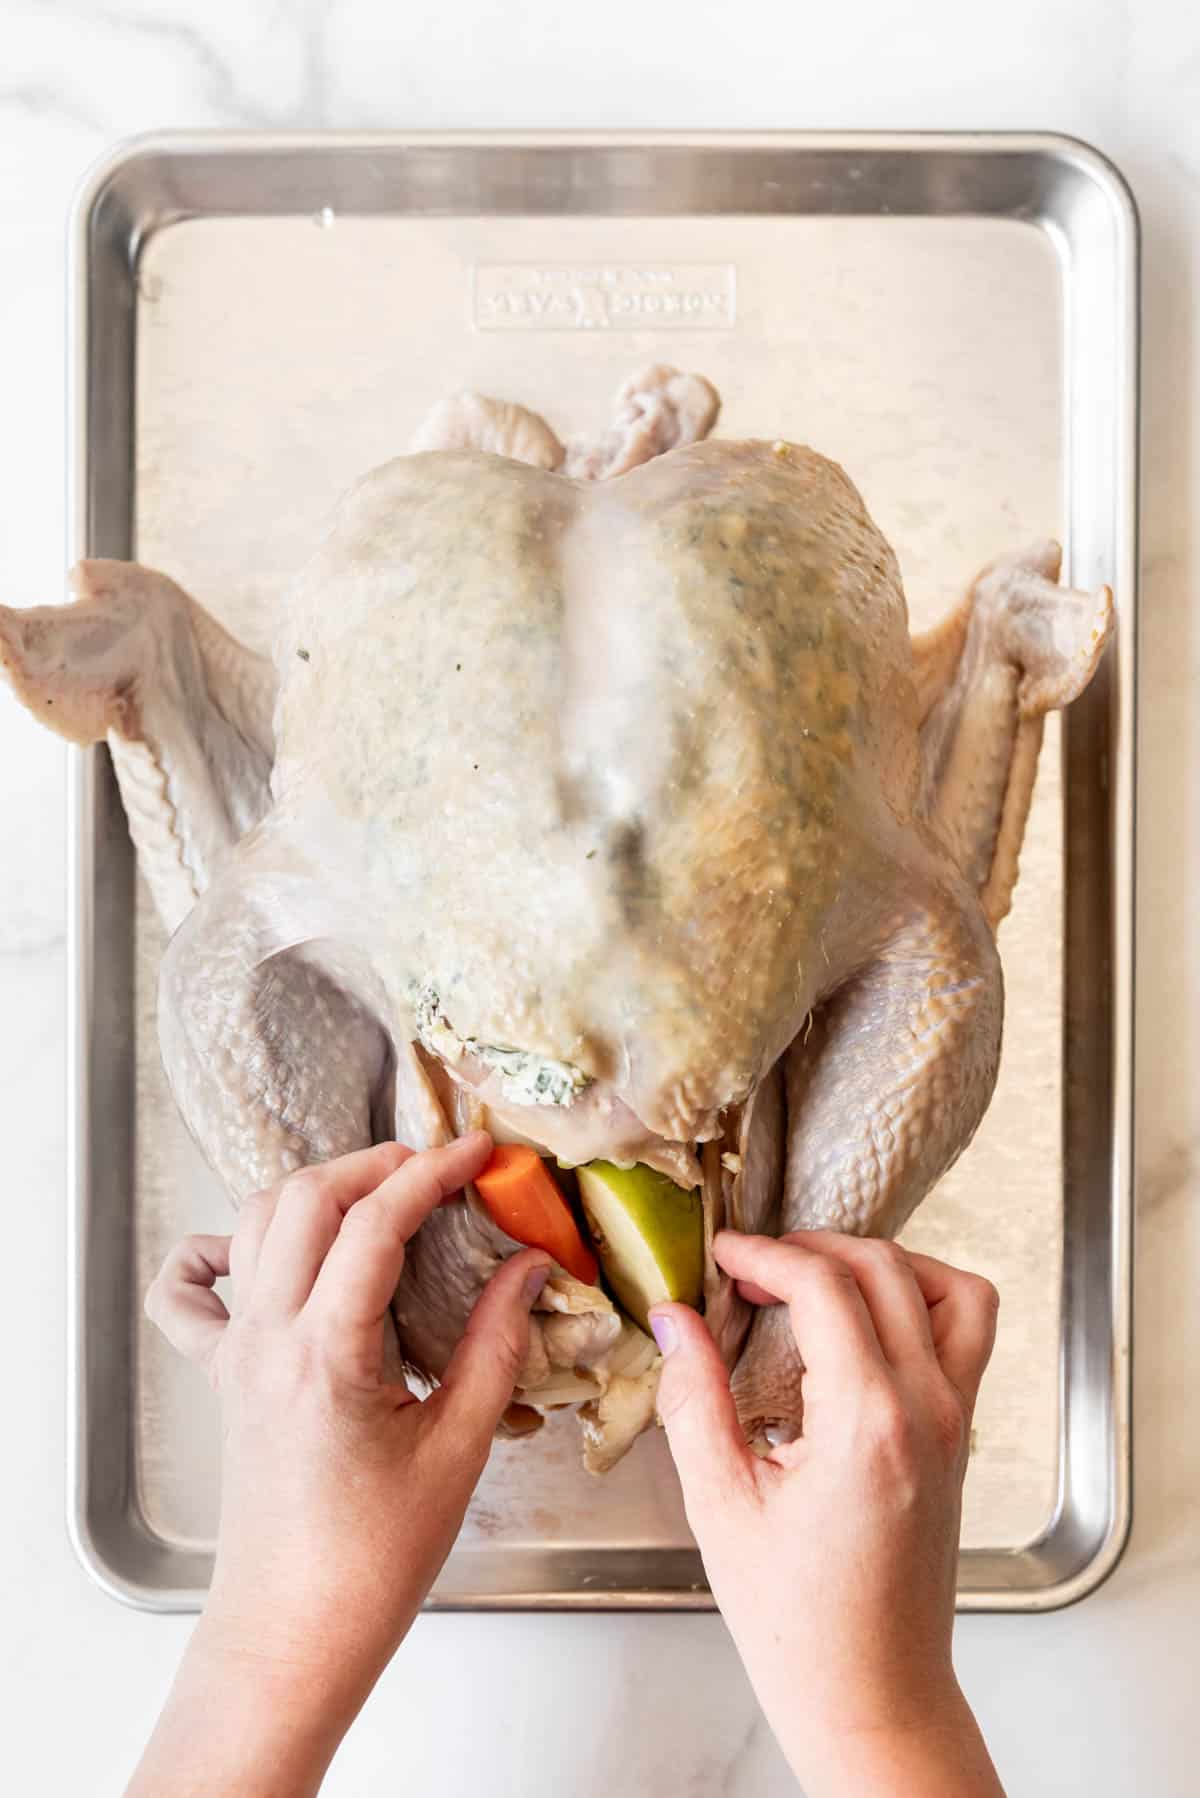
x: 235, y: 1722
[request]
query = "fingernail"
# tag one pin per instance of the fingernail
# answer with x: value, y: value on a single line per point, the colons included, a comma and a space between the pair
x: 535, y: 1280
x: 665, y: 1333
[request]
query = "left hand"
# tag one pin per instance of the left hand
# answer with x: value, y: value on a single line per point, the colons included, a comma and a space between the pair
x: 341, y: 1493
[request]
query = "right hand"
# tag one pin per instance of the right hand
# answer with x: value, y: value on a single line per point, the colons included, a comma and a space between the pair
x: 833, y: 1559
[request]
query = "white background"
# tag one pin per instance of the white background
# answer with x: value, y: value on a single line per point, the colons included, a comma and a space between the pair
x: 1097, y: 1700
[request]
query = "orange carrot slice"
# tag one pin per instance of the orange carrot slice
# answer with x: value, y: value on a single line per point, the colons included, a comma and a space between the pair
x: 522, y: 1197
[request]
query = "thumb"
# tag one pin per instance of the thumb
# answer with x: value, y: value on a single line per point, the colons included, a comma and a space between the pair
x: 478, y: 1382
x: 696, y: 1407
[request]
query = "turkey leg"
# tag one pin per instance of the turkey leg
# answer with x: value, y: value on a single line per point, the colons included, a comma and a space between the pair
x: 883, y: 1092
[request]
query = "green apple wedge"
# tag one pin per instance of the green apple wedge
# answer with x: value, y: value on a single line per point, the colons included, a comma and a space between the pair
x: 649, y: 1235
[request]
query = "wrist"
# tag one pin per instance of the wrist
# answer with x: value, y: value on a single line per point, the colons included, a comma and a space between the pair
x: 301, y: 1677
x: 326, y: 1639
x: 247, y: 1719
x: 940, y: 1754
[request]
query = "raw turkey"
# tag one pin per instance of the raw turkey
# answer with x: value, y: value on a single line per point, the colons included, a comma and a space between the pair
x: 595, y: 793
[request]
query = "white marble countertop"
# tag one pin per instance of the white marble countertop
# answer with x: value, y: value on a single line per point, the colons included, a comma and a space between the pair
x: 1099, y: 1699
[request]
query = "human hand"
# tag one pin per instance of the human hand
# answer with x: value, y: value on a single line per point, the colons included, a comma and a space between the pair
x: 833, y: 1559
x: 341, y: 1493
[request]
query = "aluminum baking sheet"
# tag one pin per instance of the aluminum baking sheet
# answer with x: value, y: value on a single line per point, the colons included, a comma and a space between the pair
x: 257, y: 320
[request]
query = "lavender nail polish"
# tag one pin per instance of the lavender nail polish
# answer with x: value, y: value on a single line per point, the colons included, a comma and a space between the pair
x: 665, y: 1333
x: 535, y: 1280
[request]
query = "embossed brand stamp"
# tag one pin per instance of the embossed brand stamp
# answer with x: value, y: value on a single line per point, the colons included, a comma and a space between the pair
x: 604, y: 296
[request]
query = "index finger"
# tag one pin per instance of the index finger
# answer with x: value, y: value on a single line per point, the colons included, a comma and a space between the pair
x: 354, y: 1288
x: 182, y: 1302
x: 829, y: 1317
x: 962, y: 1319
x: 303, y: 1216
